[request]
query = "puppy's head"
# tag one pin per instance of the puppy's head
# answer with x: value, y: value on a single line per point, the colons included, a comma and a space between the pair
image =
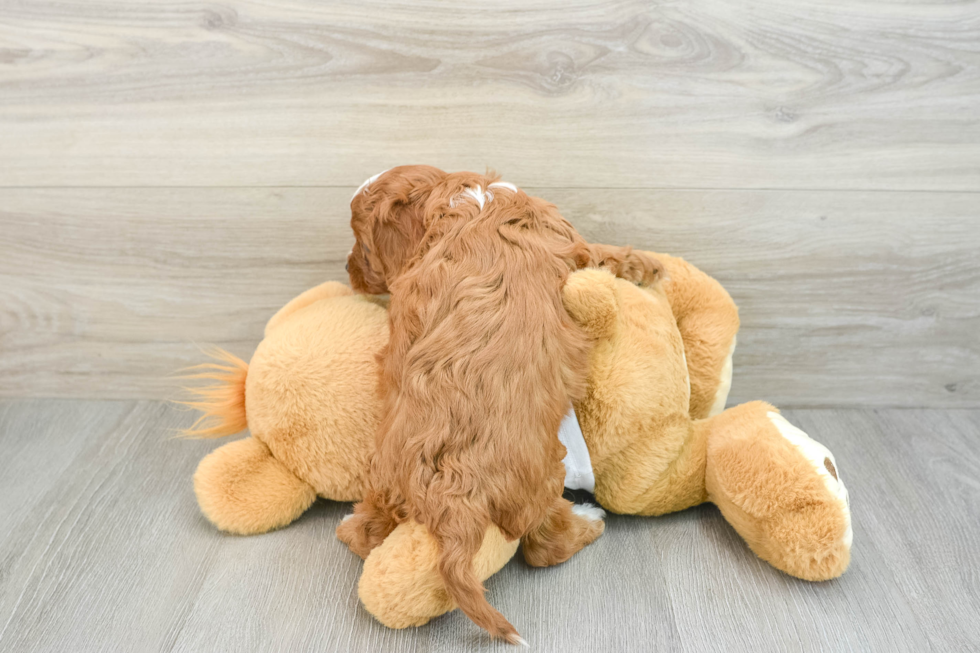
x: 388, y: 219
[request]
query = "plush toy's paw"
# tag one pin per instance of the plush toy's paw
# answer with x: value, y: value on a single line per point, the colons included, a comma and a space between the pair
x: 780, y: 490
x: 589, y: 297
x: 242, y: 489
x: 401, y: 585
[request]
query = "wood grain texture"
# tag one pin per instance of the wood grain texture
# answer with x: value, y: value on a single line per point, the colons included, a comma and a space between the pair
x: 103, y: 548
x: 712, y: 94
x: 104, y: 293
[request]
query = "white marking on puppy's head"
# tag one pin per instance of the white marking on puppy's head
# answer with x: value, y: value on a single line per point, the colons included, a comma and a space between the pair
x: 367, y: 184
x: 477, y: 194
x: 482, y: 196
x: 504, y: 184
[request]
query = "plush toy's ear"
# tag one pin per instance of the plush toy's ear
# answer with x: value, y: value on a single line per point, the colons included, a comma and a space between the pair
x: 590, y: 299
x: 325, y: 290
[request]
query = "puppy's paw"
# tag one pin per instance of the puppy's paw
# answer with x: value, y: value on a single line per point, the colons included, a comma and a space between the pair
x: 626, y: 263
x: 590, y: 512
x: 640, y: 268
x: 594, y: 526
x: 352, y: 532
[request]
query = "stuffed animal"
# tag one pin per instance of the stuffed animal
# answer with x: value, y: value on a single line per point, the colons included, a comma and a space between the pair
x: 653, y: 422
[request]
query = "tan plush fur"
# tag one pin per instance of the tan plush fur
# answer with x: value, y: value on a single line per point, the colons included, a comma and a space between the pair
x: 770, y: 495
x: 651, y: 458
x: 222, y: 403
x: 244, y: 490
x: 707, y: 319
x: 310, y: 403
x: 768, y: 491
x: 637, y: 408
x: 321, y: 355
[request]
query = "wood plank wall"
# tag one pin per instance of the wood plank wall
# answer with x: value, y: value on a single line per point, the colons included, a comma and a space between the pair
x: 171, y: 174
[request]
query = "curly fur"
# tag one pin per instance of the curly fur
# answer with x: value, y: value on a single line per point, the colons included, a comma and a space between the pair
x: 481, y: 366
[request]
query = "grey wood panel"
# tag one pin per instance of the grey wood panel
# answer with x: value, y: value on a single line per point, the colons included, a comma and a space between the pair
x: 103, y: 549
x: 847, y: 298
x: 113, y: 543
x: 711, y: 94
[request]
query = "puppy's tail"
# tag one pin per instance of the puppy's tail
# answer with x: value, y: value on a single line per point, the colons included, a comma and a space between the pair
x: 459, y: 534
x: 222, y: 403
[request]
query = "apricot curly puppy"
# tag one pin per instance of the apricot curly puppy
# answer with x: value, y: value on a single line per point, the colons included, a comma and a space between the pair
x: 480, y: 369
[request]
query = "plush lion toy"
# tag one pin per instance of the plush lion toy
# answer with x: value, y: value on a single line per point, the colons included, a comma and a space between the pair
x: 658, y: 438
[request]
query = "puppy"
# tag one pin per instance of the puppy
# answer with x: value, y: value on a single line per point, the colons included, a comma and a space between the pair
x: 481, y: 366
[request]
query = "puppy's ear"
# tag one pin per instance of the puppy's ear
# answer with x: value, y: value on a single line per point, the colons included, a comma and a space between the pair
x: 389, y: 215
x: 590, y: 298
x: 396, y: 237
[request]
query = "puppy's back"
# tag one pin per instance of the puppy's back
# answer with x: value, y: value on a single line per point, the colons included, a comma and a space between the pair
x: 490, y: 361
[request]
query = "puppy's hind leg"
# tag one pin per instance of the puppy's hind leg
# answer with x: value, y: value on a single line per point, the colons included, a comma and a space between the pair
x: 565, y: 530
x: 368, y: 527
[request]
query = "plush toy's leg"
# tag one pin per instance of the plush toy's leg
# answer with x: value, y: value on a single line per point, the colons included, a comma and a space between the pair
x: 644, y: 480
x: 242, y: 489
x: 708, y: 321
x: 780, y: 490
x: 367, y: 528
x: 323, y: 291
x: 563, y: 533
x: 401, y: 585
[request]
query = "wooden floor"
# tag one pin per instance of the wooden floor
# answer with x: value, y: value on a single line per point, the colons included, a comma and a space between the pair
x: 103, y: 548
